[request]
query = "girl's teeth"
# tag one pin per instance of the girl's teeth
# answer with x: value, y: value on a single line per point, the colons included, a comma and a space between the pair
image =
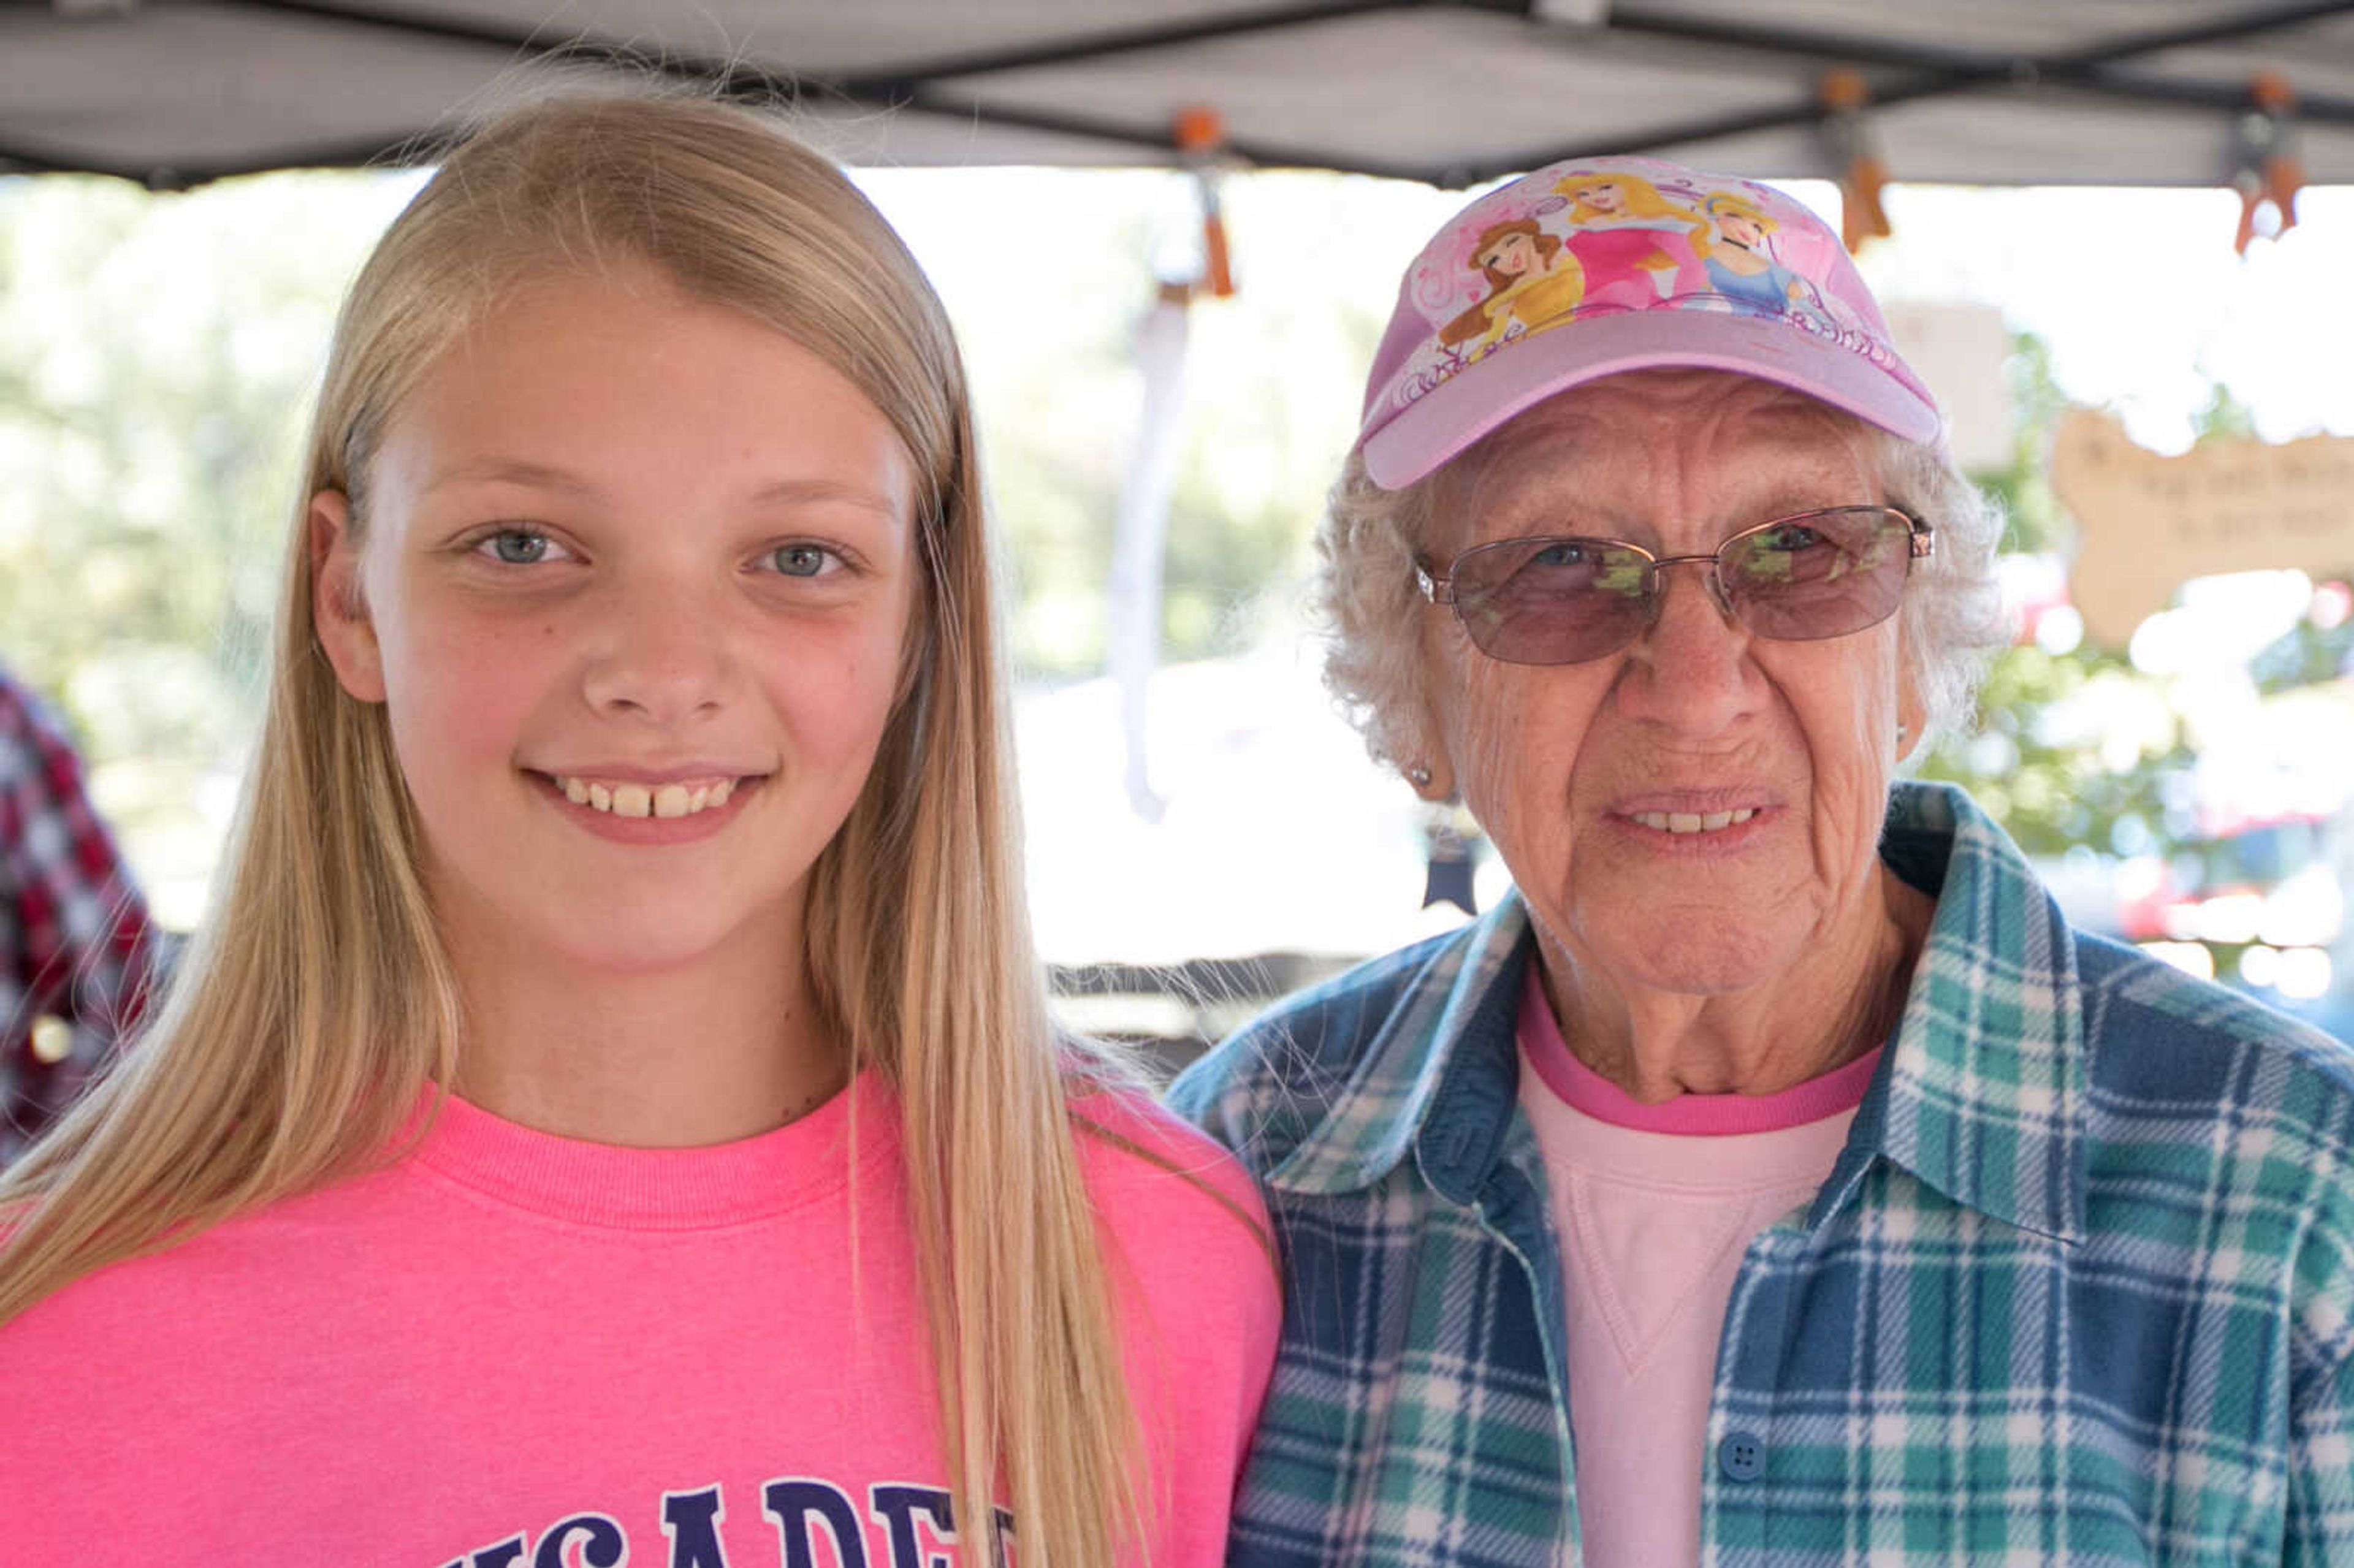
x: 1693, y: 822
x: 647, y: 799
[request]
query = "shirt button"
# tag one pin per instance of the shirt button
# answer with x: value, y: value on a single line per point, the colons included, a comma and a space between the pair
x: 1742, y: 1455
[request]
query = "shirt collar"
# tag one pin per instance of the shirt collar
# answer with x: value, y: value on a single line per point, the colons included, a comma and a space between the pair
x: 1443, y: 1057
x: 1984, y: 1096
x: 1981, y: 1097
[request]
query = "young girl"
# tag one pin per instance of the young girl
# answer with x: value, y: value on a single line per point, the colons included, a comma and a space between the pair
x: 613, y: 1115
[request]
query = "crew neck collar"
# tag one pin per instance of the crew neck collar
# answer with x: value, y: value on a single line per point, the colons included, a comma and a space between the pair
x: 582, y: 1182
x: 1687, y: 1114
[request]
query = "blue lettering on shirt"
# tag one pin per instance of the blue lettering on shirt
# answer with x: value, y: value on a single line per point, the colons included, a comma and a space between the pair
x: 691, y: 1521
x: 905, y: 1525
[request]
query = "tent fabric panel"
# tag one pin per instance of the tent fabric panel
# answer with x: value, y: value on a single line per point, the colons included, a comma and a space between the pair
x: 1399, y: 87
x: 2319, y: 56
x: 203, y: 87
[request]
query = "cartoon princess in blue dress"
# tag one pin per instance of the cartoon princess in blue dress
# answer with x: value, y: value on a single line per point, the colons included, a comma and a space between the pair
x: 1734, y: 253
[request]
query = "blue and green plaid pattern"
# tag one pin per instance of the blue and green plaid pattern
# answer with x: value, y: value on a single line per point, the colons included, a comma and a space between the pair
x: 2079, y: 1290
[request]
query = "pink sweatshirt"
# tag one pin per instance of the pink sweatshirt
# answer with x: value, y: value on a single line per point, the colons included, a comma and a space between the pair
x: 515, y: 1348
x: 1655, y: 1207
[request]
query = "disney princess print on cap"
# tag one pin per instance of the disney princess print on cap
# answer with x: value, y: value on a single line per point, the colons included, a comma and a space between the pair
x: 1592, y: 267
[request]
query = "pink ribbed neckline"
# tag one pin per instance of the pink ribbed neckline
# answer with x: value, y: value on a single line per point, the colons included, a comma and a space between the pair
x: 1693, y: 1115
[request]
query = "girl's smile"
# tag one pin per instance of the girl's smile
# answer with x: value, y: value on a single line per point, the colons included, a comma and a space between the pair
x: 675, y: 810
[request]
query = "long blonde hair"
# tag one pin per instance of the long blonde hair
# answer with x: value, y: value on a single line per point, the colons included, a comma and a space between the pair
x: 319, y: 1001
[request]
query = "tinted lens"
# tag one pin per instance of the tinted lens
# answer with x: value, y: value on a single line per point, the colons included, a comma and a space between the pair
x: 1553, y: 601
x: 1821, y: 574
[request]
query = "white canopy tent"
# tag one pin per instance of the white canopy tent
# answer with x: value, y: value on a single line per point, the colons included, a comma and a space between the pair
x: 1449, y: 91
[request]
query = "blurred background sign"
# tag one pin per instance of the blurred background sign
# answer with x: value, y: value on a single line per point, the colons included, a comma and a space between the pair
x: 2147, y: 522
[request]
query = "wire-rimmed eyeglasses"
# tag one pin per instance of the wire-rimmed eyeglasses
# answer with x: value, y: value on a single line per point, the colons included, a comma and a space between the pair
x: 1566, y: 599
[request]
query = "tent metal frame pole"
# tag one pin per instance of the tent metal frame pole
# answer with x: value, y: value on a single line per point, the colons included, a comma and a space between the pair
x: 17, y: 160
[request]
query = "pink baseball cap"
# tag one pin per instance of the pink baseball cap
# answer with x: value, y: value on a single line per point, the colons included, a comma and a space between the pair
x: 1596, y: 266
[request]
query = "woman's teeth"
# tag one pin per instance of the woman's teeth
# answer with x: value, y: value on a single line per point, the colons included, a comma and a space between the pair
x: 647, y: 799
x: 1693, y: 822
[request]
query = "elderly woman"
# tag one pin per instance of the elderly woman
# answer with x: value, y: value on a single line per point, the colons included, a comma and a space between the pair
x: 1775, y: 1178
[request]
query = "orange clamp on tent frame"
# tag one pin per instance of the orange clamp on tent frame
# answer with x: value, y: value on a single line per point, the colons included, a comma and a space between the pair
x: 1844, y: 95
x: 1201, y: 134
x: 2269, y: 170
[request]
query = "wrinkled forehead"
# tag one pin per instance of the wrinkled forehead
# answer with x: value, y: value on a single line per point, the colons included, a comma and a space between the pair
x: 1630, y: 444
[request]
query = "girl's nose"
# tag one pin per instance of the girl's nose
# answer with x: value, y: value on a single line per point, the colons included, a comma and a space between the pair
x: 663, y: 658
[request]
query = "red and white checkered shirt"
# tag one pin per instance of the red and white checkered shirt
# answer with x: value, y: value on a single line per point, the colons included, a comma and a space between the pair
x: 77, y: 954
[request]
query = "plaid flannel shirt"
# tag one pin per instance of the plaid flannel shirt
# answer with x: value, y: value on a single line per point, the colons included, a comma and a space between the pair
x: 75, y: 942
x: 2079, y: 1290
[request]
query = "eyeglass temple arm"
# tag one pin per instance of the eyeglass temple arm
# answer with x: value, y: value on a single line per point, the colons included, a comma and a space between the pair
x: 1925, y: 538
x: 1438, y: 590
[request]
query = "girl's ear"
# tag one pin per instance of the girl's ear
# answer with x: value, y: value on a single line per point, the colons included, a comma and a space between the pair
x: 338, y: 610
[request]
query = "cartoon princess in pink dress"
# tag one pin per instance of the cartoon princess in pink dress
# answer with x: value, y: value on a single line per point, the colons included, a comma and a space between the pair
x: 1635, y: 245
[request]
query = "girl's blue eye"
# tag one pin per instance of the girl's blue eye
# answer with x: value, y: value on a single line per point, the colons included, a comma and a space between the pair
x: 517, y: 546
x: 800, y: 560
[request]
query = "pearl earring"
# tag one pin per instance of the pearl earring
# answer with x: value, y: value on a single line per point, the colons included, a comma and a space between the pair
x: 1418, y: 775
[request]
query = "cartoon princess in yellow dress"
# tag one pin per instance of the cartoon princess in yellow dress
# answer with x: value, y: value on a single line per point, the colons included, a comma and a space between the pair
x: 1532, y: 278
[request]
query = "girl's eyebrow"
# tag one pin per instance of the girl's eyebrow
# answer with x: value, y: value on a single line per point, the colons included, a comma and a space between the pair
x: 541, y: 476
x: 828, y: 492
x: 511, y: 471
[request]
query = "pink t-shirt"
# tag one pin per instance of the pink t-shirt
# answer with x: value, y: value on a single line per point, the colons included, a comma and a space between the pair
x: 1655, y: 1207
x: 515, y: 1349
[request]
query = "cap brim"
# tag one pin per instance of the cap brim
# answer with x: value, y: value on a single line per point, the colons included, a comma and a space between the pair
x: 1458, y: 411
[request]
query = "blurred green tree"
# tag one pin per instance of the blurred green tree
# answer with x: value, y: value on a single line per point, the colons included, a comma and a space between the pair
x: 2045, y: 761
x: 155, y: 358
